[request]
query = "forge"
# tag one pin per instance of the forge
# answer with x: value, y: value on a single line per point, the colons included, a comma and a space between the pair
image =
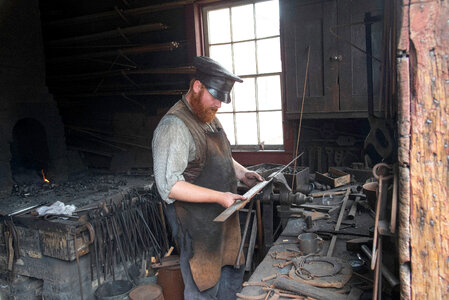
x: 52, y: 256
x: 29, y: 118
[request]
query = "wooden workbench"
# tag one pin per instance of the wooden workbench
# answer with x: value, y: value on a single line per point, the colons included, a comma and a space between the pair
x: 288, y: 241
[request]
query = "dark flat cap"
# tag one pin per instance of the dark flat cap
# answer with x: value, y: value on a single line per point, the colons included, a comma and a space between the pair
x: 218, y: 80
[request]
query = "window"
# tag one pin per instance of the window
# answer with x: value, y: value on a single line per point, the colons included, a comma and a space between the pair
x: 244, y: 38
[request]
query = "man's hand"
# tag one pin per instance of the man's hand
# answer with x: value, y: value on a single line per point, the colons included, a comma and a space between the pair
x: 250, y: 178
x: 228, y: 199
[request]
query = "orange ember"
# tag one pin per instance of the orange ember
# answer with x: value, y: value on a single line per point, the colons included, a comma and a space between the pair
x: 43, y: 176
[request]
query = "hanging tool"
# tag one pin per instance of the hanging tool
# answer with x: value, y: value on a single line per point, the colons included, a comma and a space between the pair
x: 245, y: 232
x: 379, y: 142
x: 381, y: 174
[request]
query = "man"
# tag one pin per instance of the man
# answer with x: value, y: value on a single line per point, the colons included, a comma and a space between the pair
x: 197, y: 176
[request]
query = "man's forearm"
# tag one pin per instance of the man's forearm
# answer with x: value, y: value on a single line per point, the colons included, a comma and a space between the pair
x: 240, y: 170
x: 188, y: 192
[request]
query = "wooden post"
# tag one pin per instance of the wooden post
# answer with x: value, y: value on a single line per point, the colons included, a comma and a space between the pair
x: 429, y: 151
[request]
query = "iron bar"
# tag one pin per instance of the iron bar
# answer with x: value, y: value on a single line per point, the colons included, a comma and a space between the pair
x: 245, y: 232
x: 124, y: 51
x: 107, y: 34
x: 175, y: 70
x: 97, y: 17
x: 130, y: 93
x: 57, y: 89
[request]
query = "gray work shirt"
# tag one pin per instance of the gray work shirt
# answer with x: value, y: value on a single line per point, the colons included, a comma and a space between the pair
x: 173, y: 148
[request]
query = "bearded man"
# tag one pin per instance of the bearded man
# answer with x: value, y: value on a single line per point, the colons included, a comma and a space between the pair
x: 197, y: 177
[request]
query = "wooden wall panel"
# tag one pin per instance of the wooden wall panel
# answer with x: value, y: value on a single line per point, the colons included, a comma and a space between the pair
x: 429, y: 151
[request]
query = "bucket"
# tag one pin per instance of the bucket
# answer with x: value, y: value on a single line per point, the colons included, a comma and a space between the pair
x: 146, y: 292
x: 170, y: 279
x: 114, y: 290
x: 370, y: 190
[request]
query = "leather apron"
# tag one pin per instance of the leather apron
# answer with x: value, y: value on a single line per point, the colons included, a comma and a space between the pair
x: 214, y: 244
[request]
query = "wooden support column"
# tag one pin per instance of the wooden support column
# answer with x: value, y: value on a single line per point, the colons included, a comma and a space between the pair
x: 429, y: 150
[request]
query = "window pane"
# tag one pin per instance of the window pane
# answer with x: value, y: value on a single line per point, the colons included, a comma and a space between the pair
x: 269, y: 56
x: 244, y: 58
x: 219, y: 28
x: 269, y: 92
x: 245, y: 95
x: 223, y: 55
x: 227, y: 120
x: 271, y: 128
x: 227, y: 107
x: 246, y: 128
x: 267, y: 19
x: 242, y: 23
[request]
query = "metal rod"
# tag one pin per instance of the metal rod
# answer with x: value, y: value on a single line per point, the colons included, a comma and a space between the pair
x: 259, y: 224
x: 130, y: 93
x: 252, y: 243
x: 124, y: 51
x: 114, y: 13
x: 300, y: 116
x: 108, y: 34
x: 245, y: 232
x: 391, y: 279
x: 24, y: 210
x: 71, y: 77
x: 164, y: 226
x: 337, y: 226
x: 112, y: 87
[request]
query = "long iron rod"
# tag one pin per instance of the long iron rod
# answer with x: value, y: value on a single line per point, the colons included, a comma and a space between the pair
x: 107, y: 34
x: 300, y: 116
x: 113, y: 13
x: 175, y: 70
x: 245, y: 232
x: 124, y: 51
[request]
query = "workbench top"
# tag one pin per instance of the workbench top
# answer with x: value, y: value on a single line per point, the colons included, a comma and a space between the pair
x: 288, y: 241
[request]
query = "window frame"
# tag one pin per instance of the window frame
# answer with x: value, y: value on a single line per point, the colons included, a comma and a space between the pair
x: 205, y: 37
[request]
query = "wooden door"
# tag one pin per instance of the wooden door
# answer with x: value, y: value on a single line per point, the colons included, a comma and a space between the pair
x: 335, y: 33
x: 351, y: 44
x: 305, y: 24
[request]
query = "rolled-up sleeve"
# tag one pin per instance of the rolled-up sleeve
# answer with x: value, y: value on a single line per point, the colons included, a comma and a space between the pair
x: 173, y: 148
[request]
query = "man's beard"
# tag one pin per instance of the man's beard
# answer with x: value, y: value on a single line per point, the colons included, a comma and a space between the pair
x: 203, y: 113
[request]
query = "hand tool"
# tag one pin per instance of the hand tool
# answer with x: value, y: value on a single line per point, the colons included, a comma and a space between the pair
x: 27, y: 209
x: 389, y: 277
x: 353, y: 210
x: 378, y: 172
x: 307, y: 290
x: 252, y: 242
x: 379, y: 140
x: 250, y: 194
x: 337, y: 226
x: 245, y: 232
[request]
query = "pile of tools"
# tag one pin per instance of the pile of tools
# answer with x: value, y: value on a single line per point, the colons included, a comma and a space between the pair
x: 130, y: 232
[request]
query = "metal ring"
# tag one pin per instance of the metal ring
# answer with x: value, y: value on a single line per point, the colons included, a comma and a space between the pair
x: 376, y: 171
x: 336, y: 266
